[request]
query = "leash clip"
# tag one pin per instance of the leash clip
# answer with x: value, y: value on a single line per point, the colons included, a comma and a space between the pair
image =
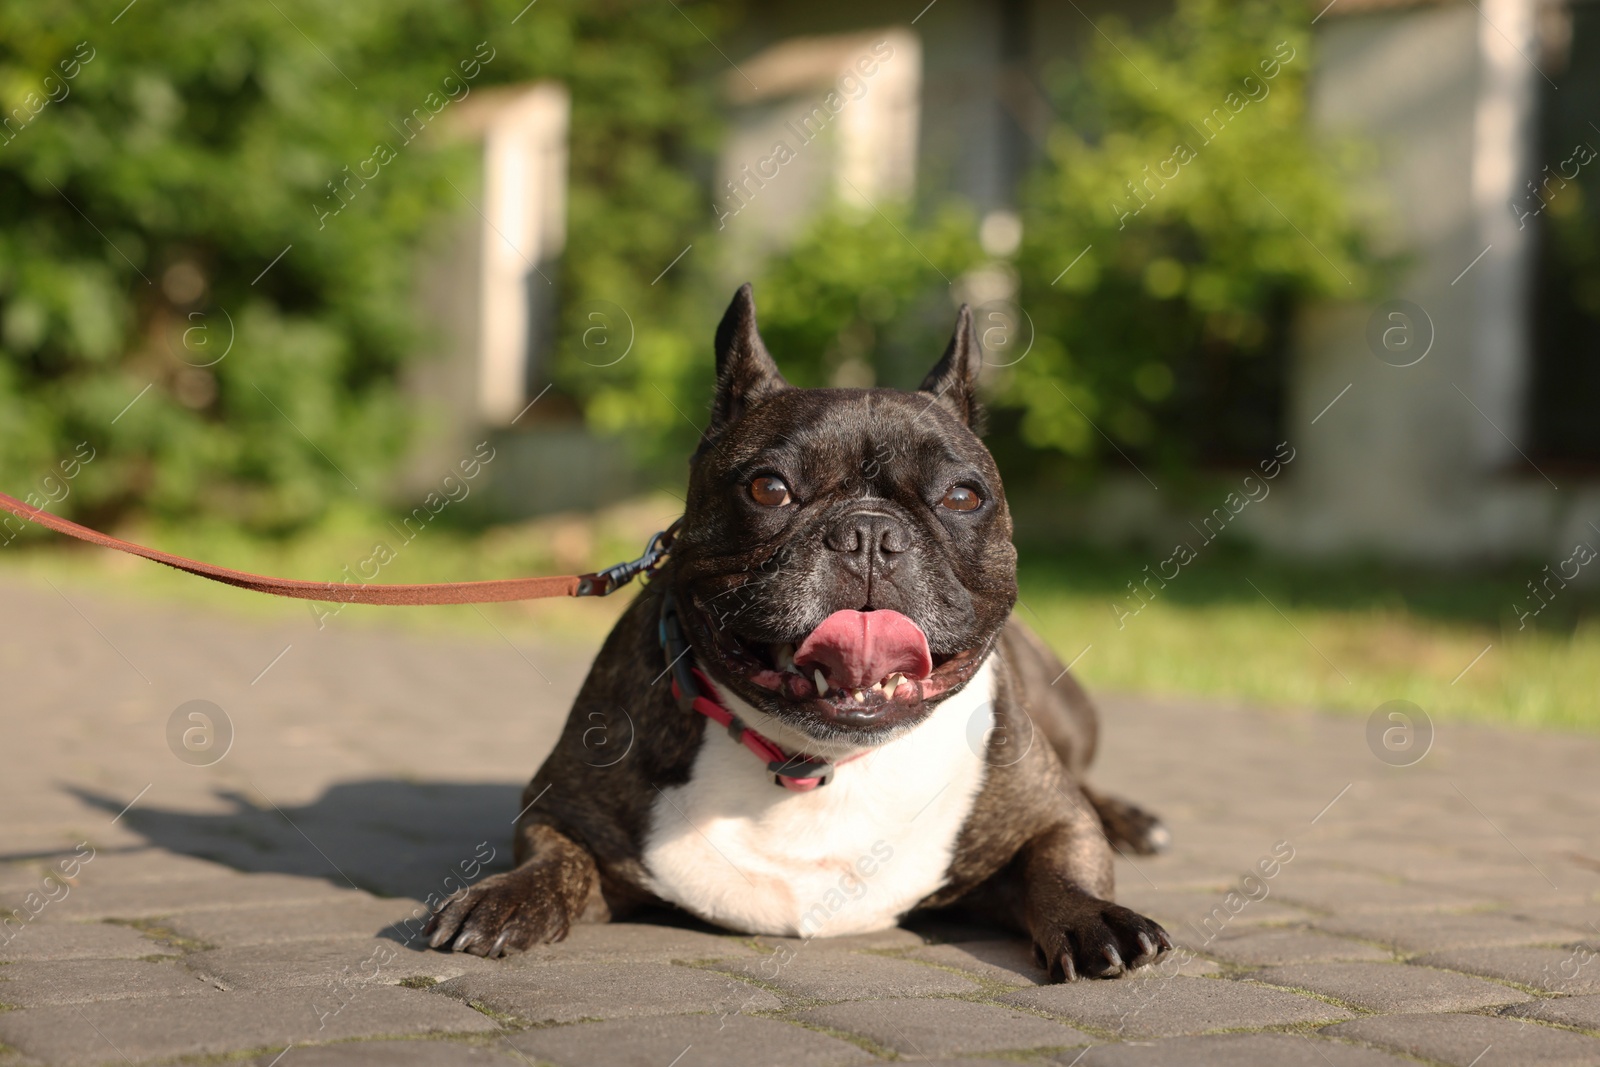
x: 608, y: 581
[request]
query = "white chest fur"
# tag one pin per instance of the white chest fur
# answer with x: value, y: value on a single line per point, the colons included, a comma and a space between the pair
x: 849, y: 857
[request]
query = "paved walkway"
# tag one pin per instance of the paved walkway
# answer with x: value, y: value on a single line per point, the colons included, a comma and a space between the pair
x: 1445, y: 912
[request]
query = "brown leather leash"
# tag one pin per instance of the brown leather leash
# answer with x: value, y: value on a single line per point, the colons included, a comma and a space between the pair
x: 598, y: 583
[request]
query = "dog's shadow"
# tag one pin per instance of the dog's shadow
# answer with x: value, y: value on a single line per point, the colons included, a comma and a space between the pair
x: 390, y: 837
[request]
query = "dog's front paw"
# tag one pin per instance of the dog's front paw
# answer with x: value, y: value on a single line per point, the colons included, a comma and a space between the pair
x: 1099, y: 939
x: 507, y: 912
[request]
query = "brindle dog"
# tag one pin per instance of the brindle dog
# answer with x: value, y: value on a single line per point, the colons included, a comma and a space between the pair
x: 841, y: 588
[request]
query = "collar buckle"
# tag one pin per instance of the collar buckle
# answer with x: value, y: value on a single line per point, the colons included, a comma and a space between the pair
x: 800, y: 767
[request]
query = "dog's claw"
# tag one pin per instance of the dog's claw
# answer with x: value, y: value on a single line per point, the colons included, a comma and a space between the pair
x: 1099, y: 939
x: 504, y: 913
x: 440, y: 930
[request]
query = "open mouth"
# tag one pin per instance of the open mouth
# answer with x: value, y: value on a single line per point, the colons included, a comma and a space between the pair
x: 857, y: 668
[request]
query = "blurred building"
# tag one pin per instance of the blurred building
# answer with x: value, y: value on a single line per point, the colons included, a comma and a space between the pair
x: 490, y: 289
x: 1466, y: 423
x: 1454, y: 421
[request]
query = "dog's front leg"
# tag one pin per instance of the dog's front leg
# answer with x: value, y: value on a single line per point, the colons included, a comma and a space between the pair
x: 1066, y: 877
x: 534, y: 904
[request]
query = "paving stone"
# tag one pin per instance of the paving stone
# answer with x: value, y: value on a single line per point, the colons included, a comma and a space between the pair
x: 1392, y: 987
x: 823, y: 975
x: 294, y: 964
x: 1583, y: 916
x: 639, y: 941
x: 934, y: 1027
x: 1473, y: 1040
x: 939, y: 929
x: 1555, y: 970
x: 1180, y: 962
x: 1201, y: 913
x: 1343, y: 893
x: 219, y: 1023
x: 1582, y: 1012
x: 1009, y: 961
x: 1400, y: 864
x: 701, y: 1041
x: 1524, y: 886
x: 1190, y: 868
x: 418, y: 1053
x: 1412, y: 932
x: 353, y: 916
x: 1168, y: 1007
x: 76, y: 941
x: 39, y: 982
x: 1269, y: 946
x: 893, y: 938
x: 567, y: 992
x: 1238, y: 1050
x: 150, y: 865
x: 1433, y: 861
x: 113, y: 898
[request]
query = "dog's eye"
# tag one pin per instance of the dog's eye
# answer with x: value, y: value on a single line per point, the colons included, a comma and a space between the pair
x: 962, y: 498
x: 769, y: 491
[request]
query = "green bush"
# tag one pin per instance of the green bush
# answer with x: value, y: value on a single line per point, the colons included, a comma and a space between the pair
x: 157, y: 160
x: 1183, y: 210
x: 863, y: 298
x: 1169, y: 333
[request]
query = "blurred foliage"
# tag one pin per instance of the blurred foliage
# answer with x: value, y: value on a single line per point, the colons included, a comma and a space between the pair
x: 862, y: 293
x: 1169, y: 334
x: 1183, y: 209
x: 144, y: 194
x: 857, y: 295
x: 157, y: 160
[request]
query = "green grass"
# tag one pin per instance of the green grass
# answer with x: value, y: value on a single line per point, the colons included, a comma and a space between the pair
x: 1342, y: 638
x: 1230, y: 625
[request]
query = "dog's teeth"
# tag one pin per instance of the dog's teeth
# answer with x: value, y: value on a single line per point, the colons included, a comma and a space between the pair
x: 822, y: 683
x: 783, y: 656
x: 893, y: 683
x: 860, y: 695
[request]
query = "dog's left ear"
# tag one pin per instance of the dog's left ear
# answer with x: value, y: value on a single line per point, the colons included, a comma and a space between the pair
x: 746, y: 372
x: 954, y: 381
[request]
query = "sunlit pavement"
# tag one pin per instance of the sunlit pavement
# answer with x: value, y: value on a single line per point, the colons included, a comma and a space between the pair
x: 217, y: 835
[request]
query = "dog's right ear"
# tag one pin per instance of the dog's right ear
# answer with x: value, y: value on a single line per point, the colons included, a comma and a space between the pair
x: 745, y: 370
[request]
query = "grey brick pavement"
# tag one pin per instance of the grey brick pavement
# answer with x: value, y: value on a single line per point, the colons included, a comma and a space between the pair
x: 264, y: 908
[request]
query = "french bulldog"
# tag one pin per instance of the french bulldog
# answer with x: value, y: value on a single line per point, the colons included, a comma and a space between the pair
x: 835, y: 721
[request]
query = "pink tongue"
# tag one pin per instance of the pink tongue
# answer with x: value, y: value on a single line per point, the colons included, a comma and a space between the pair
x: 858, y: 649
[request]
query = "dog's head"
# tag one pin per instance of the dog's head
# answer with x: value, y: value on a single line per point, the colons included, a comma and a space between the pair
x: 845, y: 560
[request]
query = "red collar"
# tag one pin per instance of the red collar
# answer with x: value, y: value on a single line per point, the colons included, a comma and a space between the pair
x: 798, y: 773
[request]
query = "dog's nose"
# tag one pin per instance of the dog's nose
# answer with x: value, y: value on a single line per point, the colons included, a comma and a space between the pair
x: 868, y: 533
